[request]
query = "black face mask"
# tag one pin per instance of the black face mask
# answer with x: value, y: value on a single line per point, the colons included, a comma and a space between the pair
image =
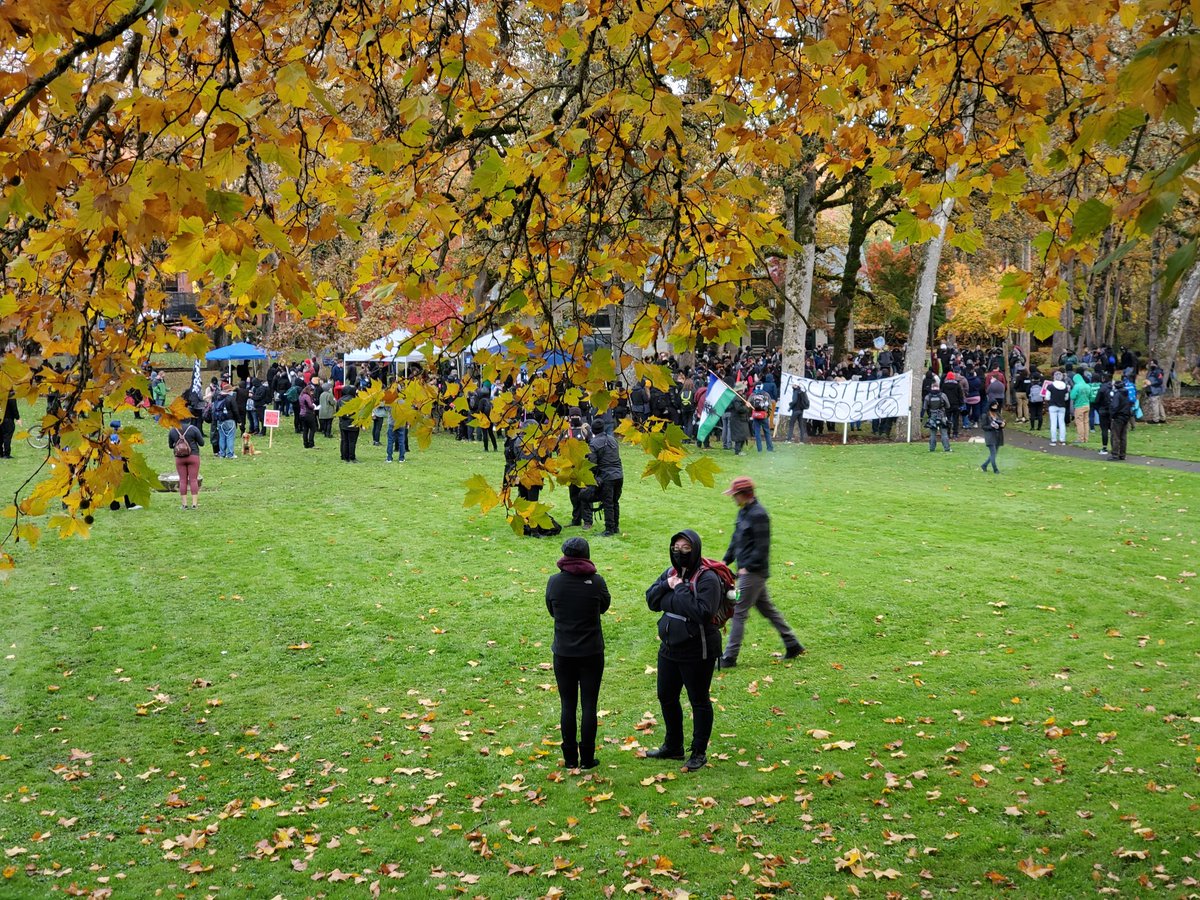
x: 679, y: 559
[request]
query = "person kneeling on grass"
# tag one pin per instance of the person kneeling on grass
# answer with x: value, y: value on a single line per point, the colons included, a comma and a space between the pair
x: 576, y: 598
x: 689, y: 646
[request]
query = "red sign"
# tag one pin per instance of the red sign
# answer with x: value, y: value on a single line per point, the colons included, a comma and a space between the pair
x: 271, y: 418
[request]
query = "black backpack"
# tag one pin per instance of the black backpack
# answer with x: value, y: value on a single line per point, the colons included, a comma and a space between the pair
x: 799, y: 399
x: 1118, y: 401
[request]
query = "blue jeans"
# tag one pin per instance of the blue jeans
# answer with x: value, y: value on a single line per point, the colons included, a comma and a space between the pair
x: 226, y: 430
x: 252, y: 421
x: 395, y: 442
x: 761, y: 429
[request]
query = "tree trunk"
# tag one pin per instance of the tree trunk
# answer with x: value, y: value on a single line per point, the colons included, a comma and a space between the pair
x: 632, y: 307
x: 1153, y: 312
x: 1114, y: 306
x: 1180, y: 315
x: 923, y: 302
x: 1061, y: 338
x: 798, y: 278
x: 844, y: 304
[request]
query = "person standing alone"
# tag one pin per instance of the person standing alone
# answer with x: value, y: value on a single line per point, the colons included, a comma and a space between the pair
x: 576, y: 598
x: 750, y: 546
x: 610, y: 477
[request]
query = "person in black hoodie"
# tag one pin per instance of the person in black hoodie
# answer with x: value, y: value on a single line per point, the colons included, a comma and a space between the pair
x: 576, y: 598
x: 346, y: 427
x: 952, y: 390
x: 687, y: 594
x: 12, y: 415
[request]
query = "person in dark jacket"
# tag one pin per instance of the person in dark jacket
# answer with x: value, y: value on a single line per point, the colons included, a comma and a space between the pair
x: 935, y: 409
x: 609, y: 475
x: 12, y: 415
x: 739, y: 420
x: 993, y: 435
x: 483, y: 406
x: 687, y: 595
x: 346, y: 427
x: 1120, y: 411
x: 952, y: 389
x: 1101, y: 406
x: 750, y: 546
x: 576, y: 598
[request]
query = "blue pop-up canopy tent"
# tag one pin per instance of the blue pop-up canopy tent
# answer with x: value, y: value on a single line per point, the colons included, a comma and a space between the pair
x: 238, y: 351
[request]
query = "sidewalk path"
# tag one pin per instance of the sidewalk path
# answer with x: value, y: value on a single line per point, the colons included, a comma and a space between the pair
x: 1021, y: 437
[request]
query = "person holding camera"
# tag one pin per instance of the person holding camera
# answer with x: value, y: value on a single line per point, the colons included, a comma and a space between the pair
x: 687, y: 594
x: 576, y: 598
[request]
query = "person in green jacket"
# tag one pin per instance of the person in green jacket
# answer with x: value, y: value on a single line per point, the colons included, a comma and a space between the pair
x: 1081, y: 400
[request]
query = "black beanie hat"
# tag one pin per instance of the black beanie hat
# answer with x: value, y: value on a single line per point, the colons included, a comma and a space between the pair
x: 576, y: 548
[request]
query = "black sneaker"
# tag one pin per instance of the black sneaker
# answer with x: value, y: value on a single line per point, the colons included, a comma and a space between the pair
x: 727, y: 663
x: 589, y: 765
x: 664, y: 753
x: 695, y: 762
x: 793, y: 652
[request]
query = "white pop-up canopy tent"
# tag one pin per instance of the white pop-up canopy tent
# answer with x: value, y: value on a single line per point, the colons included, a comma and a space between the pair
x: 386, y: 349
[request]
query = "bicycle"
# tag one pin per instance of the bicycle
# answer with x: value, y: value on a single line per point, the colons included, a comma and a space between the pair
x: 37, y: 438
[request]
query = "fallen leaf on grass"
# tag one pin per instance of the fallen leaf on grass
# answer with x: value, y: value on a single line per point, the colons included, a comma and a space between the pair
x: 1034, y: 869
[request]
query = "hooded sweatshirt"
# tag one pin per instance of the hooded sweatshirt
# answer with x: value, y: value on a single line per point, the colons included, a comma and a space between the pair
x: 1057, y: 393
x: 1081, y: 392
x: 685, y: 629
x: 576, y: 598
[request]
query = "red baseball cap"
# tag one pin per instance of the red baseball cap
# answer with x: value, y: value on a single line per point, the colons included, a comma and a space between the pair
x: 741, y: 485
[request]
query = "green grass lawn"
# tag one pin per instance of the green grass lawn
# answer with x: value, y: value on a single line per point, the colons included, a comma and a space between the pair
x: 331, y: 676
x: 1179, y: 438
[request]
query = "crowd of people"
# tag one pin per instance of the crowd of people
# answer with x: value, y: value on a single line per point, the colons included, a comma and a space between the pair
x: 964, y: 389
x: 1095, y: 391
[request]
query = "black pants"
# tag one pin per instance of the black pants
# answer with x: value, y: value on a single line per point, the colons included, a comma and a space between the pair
x: 793, y: 423
x: 955, y: 421
x: 214, y: 434
x: 696, y: 678
x: 1105, y: 426
x: 296, y: 422
x: 1035, y: 415
x: 7, y: 427
x: 578, y: 680
x: 581, y: 504
x: 349, y: 444
x: 310, y: 431
x: 610, y: 498
x: 1120, y: 430
x: 488, y: 434
x: 376, y: 429
x: 327, y: 427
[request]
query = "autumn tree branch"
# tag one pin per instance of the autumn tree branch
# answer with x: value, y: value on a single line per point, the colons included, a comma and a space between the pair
x: 91, y: 42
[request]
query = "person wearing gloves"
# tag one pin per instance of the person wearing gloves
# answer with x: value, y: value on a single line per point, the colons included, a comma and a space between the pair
x: 576, y: 598
x: 687, y: 594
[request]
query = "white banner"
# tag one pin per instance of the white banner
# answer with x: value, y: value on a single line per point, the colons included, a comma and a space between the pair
x: 848, y: 401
